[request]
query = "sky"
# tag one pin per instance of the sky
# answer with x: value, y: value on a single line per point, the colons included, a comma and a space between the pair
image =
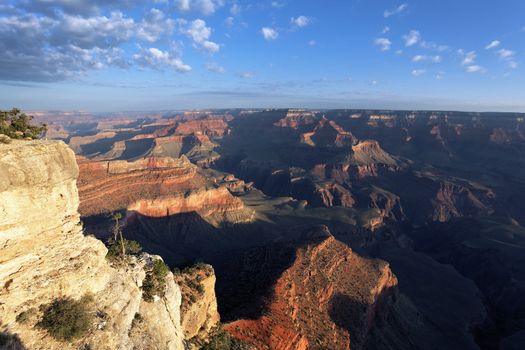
x: 130, y: 55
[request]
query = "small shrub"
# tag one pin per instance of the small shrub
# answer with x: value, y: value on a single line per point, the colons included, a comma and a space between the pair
x: 67, y: 319
x: 24, y: 316
x: 5, y: 139
x: 17, y: 125
x: 155, y: 281
x: 222, y: 340
x: 115, y: 249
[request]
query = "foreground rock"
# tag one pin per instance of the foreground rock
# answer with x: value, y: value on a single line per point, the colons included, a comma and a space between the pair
x: 45, y: 256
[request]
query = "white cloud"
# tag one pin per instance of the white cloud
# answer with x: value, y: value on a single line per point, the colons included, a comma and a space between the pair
x: 215, y: 68
x: 475, y: 69
x: 155, y: 58
x: 424, y: 58
x: 412, y: 38
x: 206, y: 7
x: 312, y: 43
x: 383, y: 43
x: 301, y: 21
x: 418, y: 72
x: 401, y: 8
x: 96, y: 31
x: 493, y: 44
x: 508, y: 56
x: 440, y: 75
x: 385, y: 30
x: 154, y: 25
x: 505, y: 54
x: 467, y: 58
x: 269, y: 33
x: 277, y: 4
x: 433, y: 46
x: 200, y: 34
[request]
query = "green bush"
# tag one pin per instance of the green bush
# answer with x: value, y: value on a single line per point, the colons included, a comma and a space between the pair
x: 17, y: 125
x: 115, y: 249
x: 25, y: 316
x: 222, y: 340
x: 67, y: 319
x: 155, y: 281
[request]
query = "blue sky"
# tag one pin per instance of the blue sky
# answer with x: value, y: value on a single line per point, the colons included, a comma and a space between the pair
x: 114, y: 55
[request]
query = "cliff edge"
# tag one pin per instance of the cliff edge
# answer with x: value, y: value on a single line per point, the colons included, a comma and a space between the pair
x: 46, y: 257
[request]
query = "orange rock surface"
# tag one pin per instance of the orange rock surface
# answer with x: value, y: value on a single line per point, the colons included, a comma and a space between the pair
x: 327, y: 299
x: 106, y: 186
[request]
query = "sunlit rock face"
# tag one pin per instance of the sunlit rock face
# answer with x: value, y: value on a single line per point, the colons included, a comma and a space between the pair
x: 45, y: 256
x: 329, y: 297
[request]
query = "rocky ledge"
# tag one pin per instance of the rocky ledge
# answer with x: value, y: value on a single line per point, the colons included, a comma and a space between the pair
x: 46, y: 257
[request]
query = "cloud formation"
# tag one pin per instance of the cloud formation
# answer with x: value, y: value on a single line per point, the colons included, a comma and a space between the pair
x: 493, y: 44
x: 301, y: 21
x: 154, y: 25
x: 200, y: 34
x: 412, y: 38
x: 474, y: 69
x: 156, y: 59
x: 425, y: 58
x: 383, y: 43
x: 508, y: 56
x: 398, y: 10
x: 205, y: 7
x: 269, y: 34
x: 468, y: 60
x: 56, y: 40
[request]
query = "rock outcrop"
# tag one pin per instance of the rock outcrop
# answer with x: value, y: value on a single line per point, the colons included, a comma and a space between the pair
x: 209, y: 127
x: 45, y: 257
x: 328, y: 134
x: 199, y: 305
x: 216, y: 205
x: 107, y: 186
x: 296, y: 118
x: 328, y: 298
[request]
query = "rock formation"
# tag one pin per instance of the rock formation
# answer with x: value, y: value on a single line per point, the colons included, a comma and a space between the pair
x: 209, y: 127
x: 295, y: 118
x: 107, y: 186
x: 327, y: 133
x: 199, y: 306
x: 45, y: 256
x: 214, y: 204
x: 328, y: 298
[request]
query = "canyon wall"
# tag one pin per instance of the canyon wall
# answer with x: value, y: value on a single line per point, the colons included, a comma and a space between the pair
x: 45, y: 257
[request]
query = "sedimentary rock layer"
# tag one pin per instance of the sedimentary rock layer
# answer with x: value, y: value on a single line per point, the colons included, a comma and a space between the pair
x: 328, y: 298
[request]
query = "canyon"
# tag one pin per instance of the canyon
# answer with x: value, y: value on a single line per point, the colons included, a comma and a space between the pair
x: 46, y: 256
x: 288, y: 229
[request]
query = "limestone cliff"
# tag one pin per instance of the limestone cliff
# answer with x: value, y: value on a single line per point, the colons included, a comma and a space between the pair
x: 45, y: 256
x: 199, y: 315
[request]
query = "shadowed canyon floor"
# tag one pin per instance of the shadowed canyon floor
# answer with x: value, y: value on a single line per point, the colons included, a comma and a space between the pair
x: 326, y: 229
